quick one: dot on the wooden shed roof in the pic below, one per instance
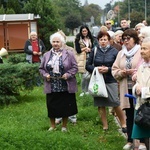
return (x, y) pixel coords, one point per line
(18, 17)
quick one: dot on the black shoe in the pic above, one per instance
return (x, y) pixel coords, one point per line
(124, 129)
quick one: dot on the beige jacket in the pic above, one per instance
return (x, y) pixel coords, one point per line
(143, 80)
(119, 65)
(81, 57)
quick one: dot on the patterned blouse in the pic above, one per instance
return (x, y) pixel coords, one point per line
(57, 83)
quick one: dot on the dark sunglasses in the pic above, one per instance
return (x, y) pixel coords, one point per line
(108, 23)
(126, 38)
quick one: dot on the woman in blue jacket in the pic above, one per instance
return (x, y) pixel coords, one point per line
(104, 59)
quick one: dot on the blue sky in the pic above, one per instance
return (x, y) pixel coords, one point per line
(101, 3)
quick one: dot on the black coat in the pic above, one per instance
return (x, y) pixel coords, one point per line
(103, 59)
(1, 60)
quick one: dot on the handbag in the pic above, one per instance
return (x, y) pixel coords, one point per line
(142, 117)
(97, 87)
(81, 61)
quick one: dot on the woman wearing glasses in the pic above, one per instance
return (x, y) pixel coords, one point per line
(58, 68)
(123, 69)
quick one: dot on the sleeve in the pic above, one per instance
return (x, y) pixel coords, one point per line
(115, 70)
(89, 63)
(26, 50)
(42, 68)
(74, 67)
(77, 46)
(43, 46)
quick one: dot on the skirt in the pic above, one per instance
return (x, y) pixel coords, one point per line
(139, 132)
(61, 104)
(112, 100)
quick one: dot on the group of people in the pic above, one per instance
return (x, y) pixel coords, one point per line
(121, 57)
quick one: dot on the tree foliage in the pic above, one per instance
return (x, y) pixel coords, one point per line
(17, 76)
(72, 21)
(91, 10)
(137, 11)
(49, 21)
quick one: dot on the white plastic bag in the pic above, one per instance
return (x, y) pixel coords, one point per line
(97, 87)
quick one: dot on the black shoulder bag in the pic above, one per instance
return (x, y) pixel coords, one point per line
(142, 117)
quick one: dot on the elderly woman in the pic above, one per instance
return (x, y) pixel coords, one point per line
(104, 59)
(122, 70)
(34, 48)
(143, 81)
(58, 68)
(118, 37)
(138, 27)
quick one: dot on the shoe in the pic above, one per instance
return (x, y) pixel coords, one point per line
(63, 129)
(82, 94)
(124, 129)
(127, 146)
(51, 129)
(86, 93)
(142, 147)
(105, 130)
(73, 119)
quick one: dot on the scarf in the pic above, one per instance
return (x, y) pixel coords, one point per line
(104, 49)
(131, 52)
(54, 62)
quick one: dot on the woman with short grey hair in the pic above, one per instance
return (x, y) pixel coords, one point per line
(58, 69)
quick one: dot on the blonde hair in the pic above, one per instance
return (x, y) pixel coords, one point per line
(103, 28)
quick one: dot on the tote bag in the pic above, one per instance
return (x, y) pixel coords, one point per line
(97, 87)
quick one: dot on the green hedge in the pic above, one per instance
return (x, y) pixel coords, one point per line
(16, 76)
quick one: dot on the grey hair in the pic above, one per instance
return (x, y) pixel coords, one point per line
(140, 25)
(145, 31)
(33, 33)
(118, 32)
(57, 35)
(146, 40)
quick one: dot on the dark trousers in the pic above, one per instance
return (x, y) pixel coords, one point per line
(130, 118)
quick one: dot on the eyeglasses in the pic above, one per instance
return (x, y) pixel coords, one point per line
(126, 38)
(108, 23)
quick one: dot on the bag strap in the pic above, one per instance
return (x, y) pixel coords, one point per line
(95, 50)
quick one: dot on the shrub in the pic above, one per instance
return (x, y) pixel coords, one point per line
(16, 75)
(70, 44)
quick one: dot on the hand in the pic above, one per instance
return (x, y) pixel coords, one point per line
(88, 50)
(48, 77)
(130, 71)
(134, 77)
(103, 69)
(138, 90)
(64, 76)
(39, 53)
(35, 53)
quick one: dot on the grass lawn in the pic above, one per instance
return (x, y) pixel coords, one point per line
(23, 126)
